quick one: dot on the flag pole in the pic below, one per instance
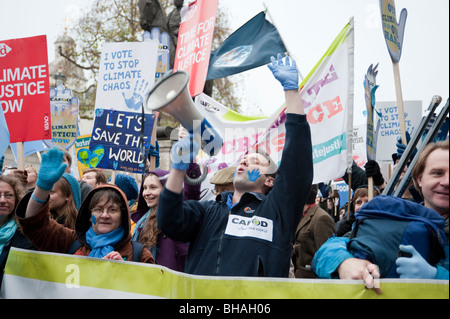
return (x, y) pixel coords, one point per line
(350, 113)
(20, 156)
(399, 95)
(288, 51)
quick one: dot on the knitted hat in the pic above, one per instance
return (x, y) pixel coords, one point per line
(128, 185)
(224, 176)
(75, 189)
(162, 175)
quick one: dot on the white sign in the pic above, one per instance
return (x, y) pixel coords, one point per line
(126, 75)
(390, 126)
(256, 226)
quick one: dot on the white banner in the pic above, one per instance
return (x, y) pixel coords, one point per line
(327, 95)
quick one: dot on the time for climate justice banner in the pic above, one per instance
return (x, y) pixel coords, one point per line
(25, 89)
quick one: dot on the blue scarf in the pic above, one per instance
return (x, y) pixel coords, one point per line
(7, 232)
(137, 231)
(102, 245)
(140, 225)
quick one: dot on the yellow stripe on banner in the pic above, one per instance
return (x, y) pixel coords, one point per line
(160, 282)
(340, 39)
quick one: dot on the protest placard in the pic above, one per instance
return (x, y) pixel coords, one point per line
(390, 126)
(116, 140)
(84, 157)
(127, 73)
(163, 64)
(393, 34)
(194, 43)
(24, 88)
(64, 111)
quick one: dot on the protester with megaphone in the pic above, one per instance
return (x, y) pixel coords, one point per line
(248, 232)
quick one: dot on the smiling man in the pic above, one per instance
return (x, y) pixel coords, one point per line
(248, 232)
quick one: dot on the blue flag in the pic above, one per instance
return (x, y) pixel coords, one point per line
(251, 46)
(4, 134)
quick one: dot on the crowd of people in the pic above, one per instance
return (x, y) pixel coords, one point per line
(264, 221)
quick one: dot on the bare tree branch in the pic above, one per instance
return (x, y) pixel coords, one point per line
(91, 68)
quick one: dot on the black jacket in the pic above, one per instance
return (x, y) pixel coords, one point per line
(255, 237)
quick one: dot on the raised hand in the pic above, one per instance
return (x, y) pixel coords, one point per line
(285, 72)
(51, 170)
(183, 152)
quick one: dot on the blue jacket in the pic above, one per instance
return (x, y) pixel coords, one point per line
(254, 237)
(335, 250)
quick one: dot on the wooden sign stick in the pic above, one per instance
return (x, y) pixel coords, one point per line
(400, 107)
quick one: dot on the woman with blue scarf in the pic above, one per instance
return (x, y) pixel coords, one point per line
(102, 228)
(11, 191)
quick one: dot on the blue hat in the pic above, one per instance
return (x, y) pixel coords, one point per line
(128, 185)
(75, 189)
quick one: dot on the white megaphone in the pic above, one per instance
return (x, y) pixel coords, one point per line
(171, 95)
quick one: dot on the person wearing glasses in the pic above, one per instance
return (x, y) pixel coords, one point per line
(102, 228)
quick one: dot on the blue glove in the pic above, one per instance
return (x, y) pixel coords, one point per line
(183, 152)
(51, 170)
(324, 189)
(414, 267)
(402, 147)
(284, 72)
(154, 151)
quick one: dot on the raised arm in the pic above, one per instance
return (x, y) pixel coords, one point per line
(183, 153)
(51, 170)
(285, 71)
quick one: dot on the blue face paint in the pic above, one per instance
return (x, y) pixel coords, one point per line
(254, 175)
(94, 220)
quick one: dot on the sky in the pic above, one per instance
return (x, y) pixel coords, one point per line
(307, 28)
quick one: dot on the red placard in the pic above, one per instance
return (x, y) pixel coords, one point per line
(24, 88)
(194, 43)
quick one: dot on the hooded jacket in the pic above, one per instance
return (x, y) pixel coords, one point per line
(47, 235)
